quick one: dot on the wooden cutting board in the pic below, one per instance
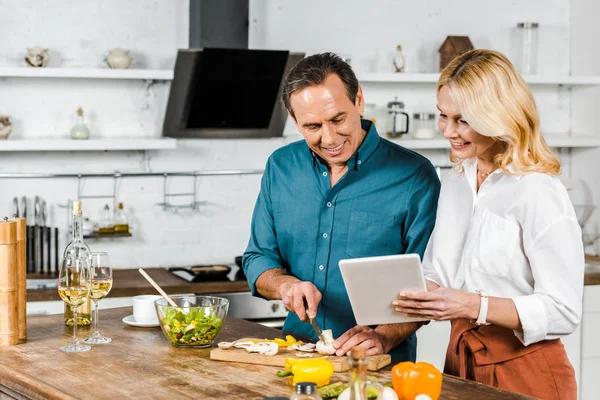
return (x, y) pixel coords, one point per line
(340, 364)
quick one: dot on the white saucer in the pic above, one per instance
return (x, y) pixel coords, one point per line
(129, 320)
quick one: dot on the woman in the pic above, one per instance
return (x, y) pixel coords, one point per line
(505, 261)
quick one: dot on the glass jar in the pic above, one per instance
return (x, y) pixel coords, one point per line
(305, 391)
(424, 126)
(527, 48)
(397, 120)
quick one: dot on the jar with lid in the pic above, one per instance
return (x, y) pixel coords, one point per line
(397, 120)
(424, 126)
(305, 391)
(527, 47)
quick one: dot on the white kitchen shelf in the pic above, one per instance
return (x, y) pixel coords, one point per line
(45, 144)
(87, 73)
(433, 78)
(554, 140)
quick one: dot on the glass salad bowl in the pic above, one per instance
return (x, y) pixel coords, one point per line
(195, 322)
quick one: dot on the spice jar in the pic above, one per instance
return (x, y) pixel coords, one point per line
(424, 126)
(397, 120)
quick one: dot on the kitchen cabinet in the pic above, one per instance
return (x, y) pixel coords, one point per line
(590, 345)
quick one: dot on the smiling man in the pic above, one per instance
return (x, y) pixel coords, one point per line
(343, 192)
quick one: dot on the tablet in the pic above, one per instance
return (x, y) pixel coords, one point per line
(373, 283)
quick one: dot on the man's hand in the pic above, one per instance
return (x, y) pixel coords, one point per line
(361, 336)
(300, 297)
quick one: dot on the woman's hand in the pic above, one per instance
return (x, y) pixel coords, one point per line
(439, 303)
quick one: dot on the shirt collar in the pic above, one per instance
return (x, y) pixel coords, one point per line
(470, 166)
(367, 147)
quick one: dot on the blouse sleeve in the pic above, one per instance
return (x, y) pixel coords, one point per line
(557, 260)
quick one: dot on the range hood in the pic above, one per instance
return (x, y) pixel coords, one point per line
(222, 89)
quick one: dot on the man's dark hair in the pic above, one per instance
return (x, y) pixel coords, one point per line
(312, 71)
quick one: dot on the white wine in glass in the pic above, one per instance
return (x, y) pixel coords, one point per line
(101, 283)
(74, 286)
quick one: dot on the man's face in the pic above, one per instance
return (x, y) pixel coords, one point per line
(328, 120)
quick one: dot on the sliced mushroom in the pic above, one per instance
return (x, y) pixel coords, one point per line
(225, 345)
(266, 348)
(304, 355)
(307, 347)
(243, 345)
(269, 349)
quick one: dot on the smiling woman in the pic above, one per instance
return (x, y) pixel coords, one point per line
(499, 122)
(505, 260)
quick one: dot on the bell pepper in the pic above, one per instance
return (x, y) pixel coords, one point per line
(288, 341)
(412, 379)
(318, 371)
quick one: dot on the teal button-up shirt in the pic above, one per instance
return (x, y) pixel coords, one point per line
(385, 204)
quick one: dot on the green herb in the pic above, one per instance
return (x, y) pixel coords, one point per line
(332, 391)
(193, 328)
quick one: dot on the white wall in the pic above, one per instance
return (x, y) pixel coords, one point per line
(80, 34)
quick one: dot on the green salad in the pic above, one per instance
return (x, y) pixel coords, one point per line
(193, 328)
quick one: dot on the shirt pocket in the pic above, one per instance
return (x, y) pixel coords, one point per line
(371, 234)
(497, 239)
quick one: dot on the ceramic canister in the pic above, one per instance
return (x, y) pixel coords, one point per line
(9, 319)
(21, 276)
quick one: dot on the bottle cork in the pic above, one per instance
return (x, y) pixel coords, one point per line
(77, 207)
(9, 318)
(357, 353)
(21, 276)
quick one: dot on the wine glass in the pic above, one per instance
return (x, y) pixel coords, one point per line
(101, 278)
(74, 288)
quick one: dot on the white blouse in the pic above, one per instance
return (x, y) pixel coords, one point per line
(516, 238)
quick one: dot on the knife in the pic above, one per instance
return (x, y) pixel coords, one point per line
(16, 208)
(317, 329)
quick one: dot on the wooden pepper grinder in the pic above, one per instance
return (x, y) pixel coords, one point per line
(9, 315)
(22, 276)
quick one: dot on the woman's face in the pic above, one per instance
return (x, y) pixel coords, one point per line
(464, 140)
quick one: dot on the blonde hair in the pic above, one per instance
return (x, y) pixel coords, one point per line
(495, 101)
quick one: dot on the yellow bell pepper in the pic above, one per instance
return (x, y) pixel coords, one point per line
(288, 341)
(318, 371)
(412, 379)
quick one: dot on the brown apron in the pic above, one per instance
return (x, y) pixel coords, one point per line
(493, 355)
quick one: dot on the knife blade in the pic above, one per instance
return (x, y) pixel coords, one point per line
(15, 210)
(317, 329)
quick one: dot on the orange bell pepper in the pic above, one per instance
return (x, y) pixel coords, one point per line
(410, 380)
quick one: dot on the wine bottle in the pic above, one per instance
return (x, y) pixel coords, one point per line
(78, 249)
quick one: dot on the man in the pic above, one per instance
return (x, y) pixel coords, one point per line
(343, 192)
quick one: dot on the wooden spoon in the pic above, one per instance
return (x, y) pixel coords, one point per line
(158, 288)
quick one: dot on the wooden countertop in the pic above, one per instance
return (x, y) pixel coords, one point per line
(129, 282)
(141, 364)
